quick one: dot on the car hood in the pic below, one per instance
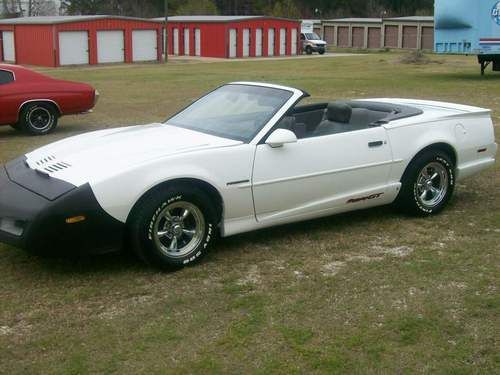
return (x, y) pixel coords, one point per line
(88, 157)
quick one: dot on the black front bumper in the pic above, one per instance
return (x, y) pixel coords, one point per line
(34, 210)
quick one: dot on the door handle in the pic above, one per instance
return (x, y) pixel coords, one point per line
(375, 144)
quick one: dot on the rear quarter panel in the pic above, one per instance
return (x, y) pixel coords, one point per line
(466, 134)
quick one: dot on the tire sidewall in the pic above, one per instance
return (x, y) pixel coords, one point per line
(409, 192)
(28, 111)
(148, 215)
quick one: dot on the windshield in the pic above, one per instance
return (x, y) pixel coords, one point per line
(233, 111)
(312, 36)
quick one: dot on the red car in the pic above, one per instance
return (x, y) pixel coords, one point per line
(32, 102)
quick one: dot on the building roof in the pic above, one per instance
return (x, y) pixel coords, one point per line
(50, 20)
(356, 20)
(411, 19)
(216, 18)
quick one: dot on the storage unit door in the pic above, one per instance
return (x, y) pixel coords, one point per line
(187, 52)
(330, 34)
(232, 42)
(374, 35)
(176, 41)
(9, 49)
(343, 36)
(282, 42)
(110, 47)
(391, 36)
(144, 45)
(427, 38)
(246, 42)
(358, 37)
(258, 42)
(73, 48)
(197, 42)
(294, 41)
(270, 42)
(410, 37)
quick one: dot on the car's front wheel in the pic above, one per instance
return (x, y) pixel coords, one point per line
(173, 227)
(309, 50)
(427, 184)
(38, 118)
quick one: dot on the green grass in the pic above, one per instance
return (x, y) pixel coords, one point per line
(326, 296)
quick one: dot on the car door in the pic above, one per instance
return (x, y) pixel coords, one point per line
(9, 102)
(322, 174)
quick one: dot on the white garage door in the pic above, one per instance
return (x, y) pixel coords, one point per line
(9, 50)
(246, 42)
(110, 46)
(176, 42)
(232, 42)
(187, 52)
(294, 41)
(144, 45)
(197, 42)
(258, 42)
(270, 42)
(73, 48)
(282, 42)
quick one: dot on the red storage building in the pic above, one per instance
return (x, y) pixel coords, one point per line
(78, 40)
(233, 36)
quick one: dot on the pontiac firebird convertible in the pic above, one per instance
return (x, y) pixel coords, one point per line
(243, 157)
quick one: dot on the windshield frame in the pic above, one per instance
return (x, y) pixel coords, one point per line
(274, 117)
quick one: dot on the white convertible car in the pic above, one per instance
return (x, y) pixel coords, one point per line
(244, 157)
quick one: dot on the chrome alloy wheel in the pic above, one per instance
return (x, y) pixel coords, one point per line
(432, 184)
(40, 118)
(179, 229)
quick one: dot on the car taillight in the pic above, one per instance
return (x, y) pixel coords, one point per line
(96, 97)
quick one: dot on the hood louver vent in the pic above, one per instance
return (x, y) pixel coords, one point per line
(49, 164)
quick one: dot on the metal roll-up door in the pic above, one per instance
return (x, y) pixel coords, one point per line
(427, 38)
(110, 46)
(9, 49)
(176, 41)
(144, 45)
(343, 36)
(391, 36)
(246, 42)
(282, 42)
(270, 42)
(187, 45)
(358, 37)
(258, 42)
(73, 47)
(410, 37)
(330, 34)
(233, 42)
(294, 42)
(197, 42)
(374, 37)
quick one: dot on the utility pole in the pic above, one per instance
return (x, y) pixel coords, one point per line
(30, 7)
(166, 33)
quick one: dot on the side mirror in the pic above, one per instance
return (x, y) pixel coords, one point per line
(280, 137)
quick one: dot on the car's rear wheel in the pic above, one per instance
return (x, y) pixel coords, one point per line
(38, 118)
(427, 184)
(309, 50)
(173, 227)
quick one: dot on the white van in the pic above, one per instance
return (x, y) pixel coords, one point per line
(311, 42)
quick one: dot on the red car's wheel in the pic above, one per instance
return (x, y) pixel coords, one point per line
(38, 118)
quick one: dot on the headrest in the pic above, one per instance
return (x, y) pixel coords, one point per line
(287, 122)
(339, 112)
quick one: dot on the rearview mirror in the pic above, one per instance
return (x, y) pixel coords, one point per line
(280, 137)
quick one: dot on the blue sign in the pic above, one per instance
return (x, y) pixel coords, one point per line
(495, 13)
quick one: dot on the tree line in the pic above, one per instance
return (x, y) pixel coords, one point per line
(279, 8)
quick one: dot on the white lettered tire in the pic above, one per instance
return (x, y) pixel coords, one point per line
(427, 184)
(174, 226)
